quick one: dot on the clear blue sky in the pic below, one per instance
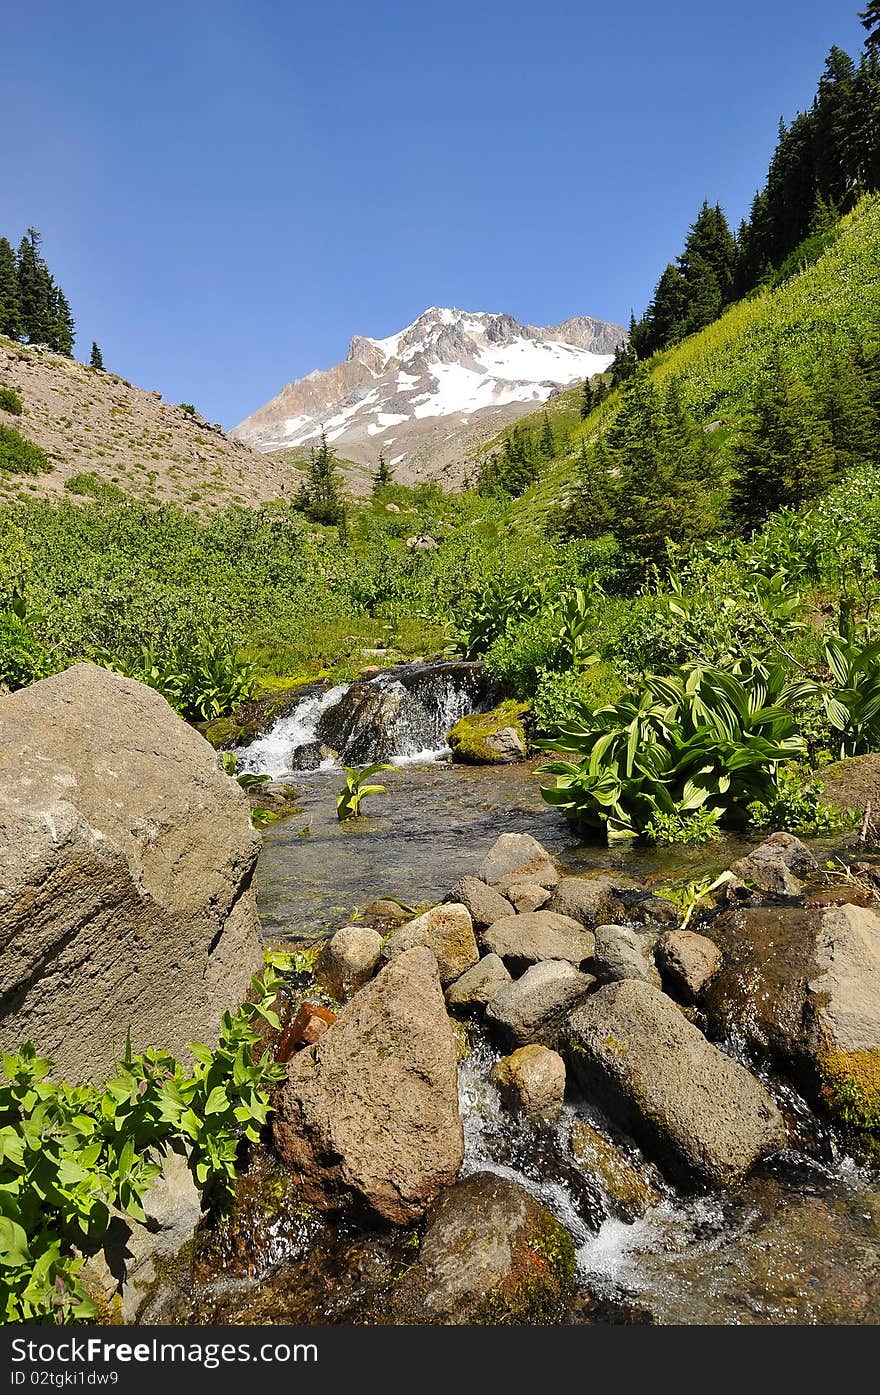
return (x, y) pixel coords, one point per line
(228, 192)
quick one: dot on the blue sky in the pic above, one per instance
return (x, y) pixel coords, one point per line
(228, 192)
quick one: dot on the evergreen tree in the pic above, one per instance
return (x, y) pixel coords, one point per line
(97, 358)
(10, 300)
(842, 392)
(625, 363)
(590, 512)
(786, 452)
(547, 445)
(587, 400)
(870, 18)
(648, 502)
(667, 309)
(383, 474)
(35, 290)
(61, 322)
(319, 494)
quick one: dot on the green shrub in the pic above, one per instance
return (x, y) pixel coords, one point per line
(70, 1153)
(797, 807)
(20, 457)
(700, 827)
(10, 401)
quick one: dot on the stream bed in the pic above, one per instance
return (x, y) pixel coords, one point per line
(799, 1242)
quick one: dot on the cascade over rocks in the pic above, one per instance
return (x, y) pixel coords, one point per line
(368, 1117)
(704, 1117)
(126, 865)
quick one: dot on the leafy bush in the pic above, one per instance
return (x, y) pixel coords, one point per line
(20, 457)
(700, 827)
(797, 807)
(853, 707)
(69, 1153)
(10, 401)
(201, 678)
(705, 739)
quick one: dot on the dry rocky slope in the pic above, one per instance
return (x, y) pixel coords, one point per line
(89, 421)
(429, 395)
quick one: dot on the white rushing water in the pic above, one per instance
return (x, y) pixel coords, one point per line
(270, 754)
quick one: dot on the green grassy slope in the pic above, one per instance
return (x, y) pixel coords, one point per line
(827, 303)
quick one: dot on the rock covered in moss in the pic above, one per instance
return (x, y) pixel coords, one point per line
(490, 738)
(631, 1190)
(368, 1117)
(532, 1081)
(491, 1254)
(447, 931)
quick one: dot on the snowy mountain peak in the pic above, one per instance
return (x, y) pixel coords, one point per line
(426, 394)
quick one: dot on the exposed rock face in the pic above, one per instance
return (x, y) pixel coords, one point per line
(447, 931)
(517, 857)
(532, 1080)
(369, 1116)
(348, 960)
(492, 1254)
(448, 381)
(526, 939)
(126, 859)
(533, 1007)
(630, 1190)
(778, 866)
(479, 985)
(703, 1115)
(688, 961)
(484, 904)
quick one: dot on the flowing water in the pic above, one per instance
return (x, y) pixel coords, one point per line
(798, 1243)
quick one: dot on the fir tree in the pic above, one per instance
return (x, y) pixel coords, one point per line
(587, 400)
(96, 358)
(10, 300)
(590, 513)
(383, 474)
(61, 322)
(547, 445)
(870, 18)
(319, 494)
(34, 289)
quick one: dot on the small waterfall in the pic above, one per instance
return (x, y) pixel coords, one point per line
(402, 717)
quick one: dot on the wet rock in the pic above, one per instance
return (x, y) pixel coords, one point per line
(517, 857)
(121, 1274)
(447, 931)
(491, 1254)
(369, 1116)
(383, 909)
(702, 1115)
(688, 962)
(309, 1024)
(478, 985)
(311, 755)
(621, 953)
(532, 1008)
(531, 1080)
(526, 896)
(778, 866)
(126, 875)
(631, 1191)
(526, 939)
(484, 904)
(348, 960)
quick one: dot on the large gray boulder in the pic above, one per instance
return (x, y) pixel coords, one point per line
(705, 1117)
(491, 1254)
(368, 1117)
(533, 1007)
(126, 875)
(529, 938)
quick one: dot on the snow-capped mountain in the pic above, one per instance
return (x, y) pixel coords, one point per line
(430, 393)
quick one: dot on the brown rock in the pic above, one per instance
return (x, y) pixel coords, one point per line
(369, 1116)
(527, 896)
(446, 930)
(348, 960)
(479, 985)
(688, 961)
(533, 1007)
(526, 939)
(631, 1191)
(777, 866)
(532, 1080)
(484, 904)
(310, 1022)
(517, 857)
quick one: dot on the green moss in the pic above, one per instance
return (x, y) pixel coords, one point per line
(851, 1092)
(541, 1282)
(469, 738)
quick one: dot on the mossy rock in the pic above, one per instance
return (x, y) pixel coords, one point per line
(851, 1092)
(254, 718)
(491, 1255)
(491, 738)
